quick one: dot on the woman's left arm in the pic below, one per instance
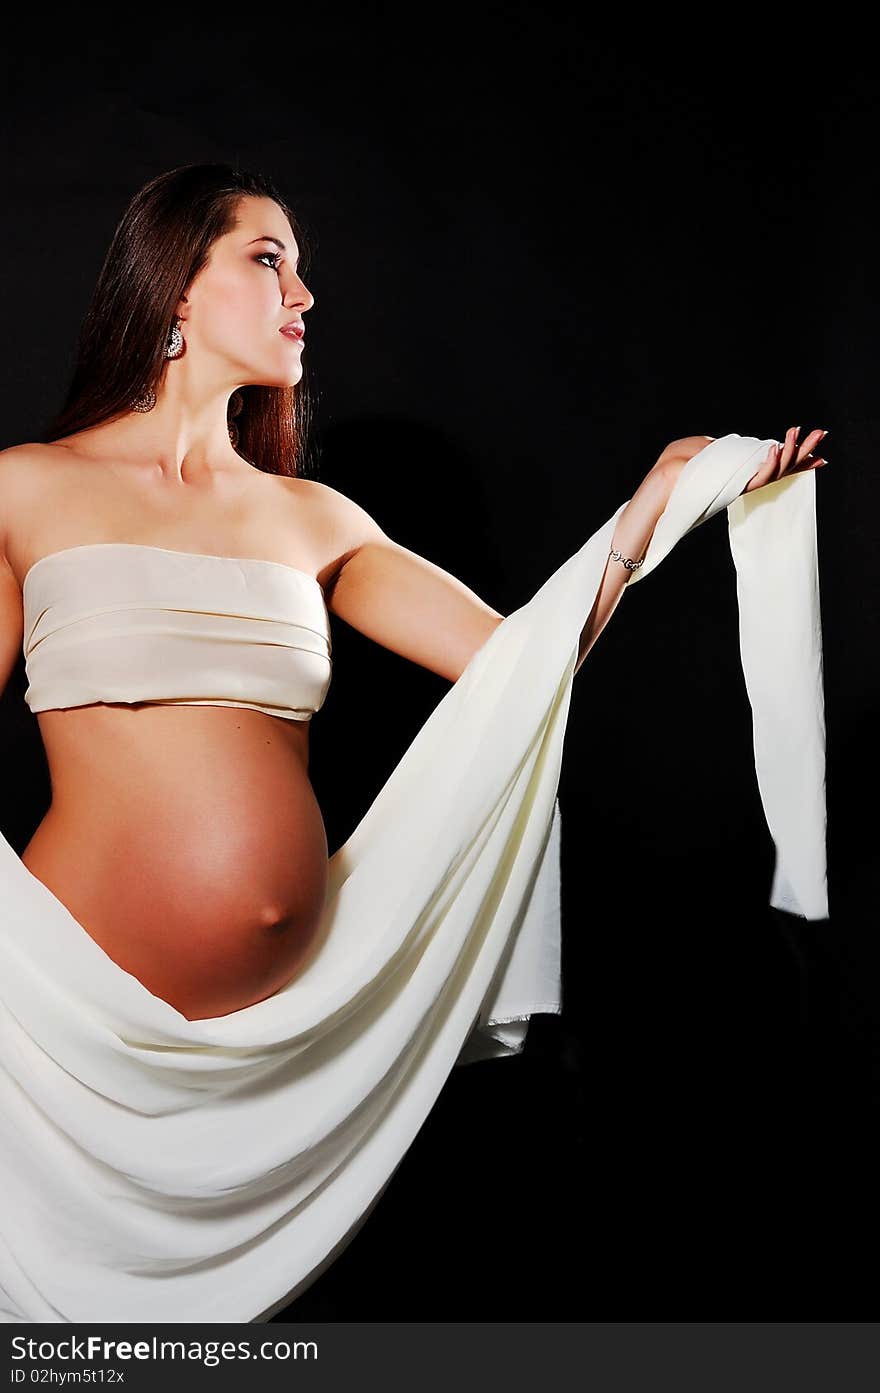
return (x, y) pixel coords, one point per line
(393, 595)
(635, 526)
(634, 530)
(413, 607)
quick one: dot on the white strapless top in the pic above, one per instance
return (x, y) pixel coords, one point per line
(127, 622)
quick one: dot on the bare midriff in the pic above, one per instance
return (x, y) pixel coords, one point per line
(188, 843)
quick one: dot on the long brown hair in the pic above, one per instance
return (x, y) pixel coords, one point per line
(160, 244)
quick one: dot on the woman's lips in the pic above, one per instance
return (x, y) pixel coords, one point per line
(297, 337)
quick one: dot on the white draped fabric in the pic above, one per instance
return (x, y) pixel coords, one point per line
(160, 1169)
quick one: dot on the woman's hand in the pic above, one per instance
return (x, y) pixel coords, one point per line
(788, 458)
(779, 462)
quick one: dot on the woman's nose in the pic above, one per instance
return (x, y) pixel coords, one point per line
(299, 294)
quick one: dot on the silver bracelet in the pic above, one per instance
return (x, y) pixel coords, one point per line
(626, 560)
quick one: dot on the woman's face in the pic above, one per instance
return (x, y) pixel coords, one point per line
(236, 306)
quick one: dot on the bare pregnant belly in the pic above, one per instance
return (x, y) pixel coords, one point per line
(189, 844)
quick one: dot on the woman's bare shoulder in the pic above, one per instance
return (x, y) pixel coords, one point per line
(29, 450)
(22, 461)
(19, 467)
(349, 524)
(338, 526)
(23, 479)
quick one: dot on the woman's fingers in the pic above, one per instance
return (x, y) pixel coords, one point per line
(788, 457)
(789, 448)
(795, 457)
(804, 458)
(766, 473)
(811, 462)
(810, 443)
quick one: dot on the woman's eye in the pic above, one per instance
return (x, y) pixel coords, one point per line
(273, 259)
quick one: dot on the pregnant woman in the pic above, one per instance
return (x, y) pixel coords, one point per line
(218, 1041)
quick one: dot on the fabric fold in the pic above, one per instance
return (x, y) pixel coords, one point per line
(159, 1169)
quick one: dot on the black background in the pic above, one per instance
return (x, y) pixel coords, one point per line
(539, 254)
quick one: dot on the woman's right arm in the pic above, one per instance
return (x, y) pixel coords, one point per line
(11, 616)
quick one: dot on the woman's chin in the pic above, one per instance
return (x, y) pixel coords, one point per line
(292, 374)
(288, 378)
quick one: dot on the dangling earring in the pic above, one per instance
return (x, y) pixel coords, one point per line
(146, 402)
(173, 349)
(175, 342)
(236, 402)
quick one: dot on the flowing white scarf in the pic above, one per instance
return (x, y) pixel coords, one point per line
(160, 1169)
